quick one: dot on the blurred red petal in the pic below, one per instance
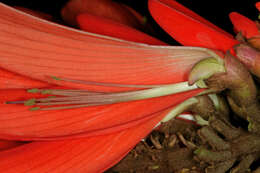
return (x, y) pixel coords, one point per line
(102, 8)
(103, 26)
(187, 27)
(244, 25)
(258, 6)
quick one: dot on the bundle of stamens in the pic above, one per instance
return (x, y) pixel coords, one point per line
(67, 99)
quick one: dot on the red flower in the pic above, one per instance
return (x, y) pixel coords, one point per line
(39, 54)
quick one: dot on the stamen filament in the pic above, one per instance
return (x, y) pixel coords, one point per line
(180, 108)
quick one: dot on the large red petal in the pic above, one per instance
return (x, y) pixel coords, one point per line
(187, 27)
(95, 154)
(244, 25)
(40, 49)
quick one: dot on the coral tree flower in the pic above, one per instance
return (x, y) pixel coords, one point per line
(66, 53)
(39, 54)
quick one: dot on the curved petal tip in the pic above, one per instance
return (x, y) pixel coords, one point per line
(243, 24)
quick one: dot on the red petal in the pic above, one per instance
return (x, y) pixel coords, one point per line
(95, 154)
(103, 26)
(17, 122)
(243, 24)
(40, 49)
(187, 27)
(257, 5)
